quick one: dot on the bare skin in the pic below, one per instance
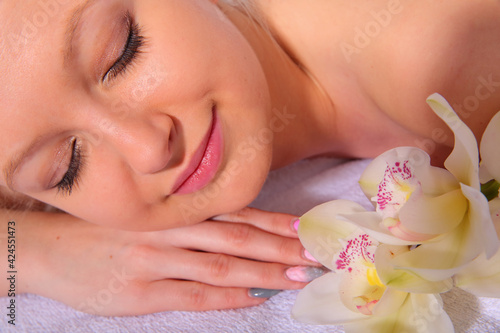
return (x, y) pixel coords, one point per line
(356, 89)
(380, 60)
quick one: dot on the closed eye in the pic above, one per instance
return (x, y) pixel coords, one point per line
(72, 175)
(132, 48)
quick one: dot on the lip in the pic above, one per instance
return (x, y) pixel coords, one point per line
(205, 162)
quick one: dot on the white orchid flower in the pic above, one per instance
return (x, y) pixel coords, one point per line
(490, 154)
(431, 227)
(441, 210)
(355, 294)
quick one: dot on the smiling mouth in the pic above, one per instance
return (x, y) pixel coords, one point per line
(205, 162)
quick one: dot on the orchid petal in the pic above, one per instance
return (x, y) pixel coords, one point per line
(483, 229)
(371, 222)
(319, 303)
(481, 277)
(484, 174)
(390, 302)
(435, 181)
(401, 279)
(401, 232)
(419, 313)
(433, 215)
(320, 230)
(439, 260)
(463, 161)
(494, 206)
(427, 314)
(490, 154)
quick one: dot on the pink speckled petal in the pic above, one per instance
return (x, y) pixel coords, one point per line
(320, 229)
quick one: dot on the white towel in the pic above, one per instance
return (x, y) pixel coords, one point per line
(294, 189)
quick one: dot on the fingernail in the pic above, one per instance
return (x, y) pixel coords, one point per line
(309, 256)
(295, 224)
(263, 293)
(304, 273)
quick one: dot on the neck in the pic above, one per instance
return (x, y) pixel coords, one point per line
(302, 116)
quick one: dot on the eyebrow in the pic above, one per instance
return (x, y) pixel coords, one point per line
(72, 25)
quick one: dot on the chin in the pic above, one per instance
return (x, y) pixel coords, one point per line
(245, 194)
(230, 196)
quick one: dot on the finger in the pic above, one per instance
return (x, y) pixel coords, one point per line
(173, 295)
(276, 223)
(168, 295)
(241, 240)
(229, 271)
(224, 270)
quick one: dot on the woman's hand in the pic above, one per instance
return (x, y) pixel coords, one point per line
(210, 265)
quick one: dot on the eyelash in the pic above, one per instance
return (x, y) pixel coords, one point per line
(72, 176)
(133, 46)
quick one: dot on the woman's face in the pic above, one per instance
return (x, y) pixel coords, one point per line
(136, 114)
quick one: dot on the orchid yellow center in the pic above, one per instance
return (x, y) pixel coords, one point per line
(365, 303)
(372, 277)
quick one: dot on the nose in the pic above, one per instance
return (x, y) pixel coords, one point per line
(144, 143)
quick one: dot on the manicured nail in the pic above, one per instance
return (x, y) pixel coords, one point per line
(309, 256)
(263, 293)
(295, 224)
(304, 273)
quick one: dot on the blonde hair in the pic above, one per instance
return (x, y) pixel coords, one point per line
(249, 8)
(10, 200)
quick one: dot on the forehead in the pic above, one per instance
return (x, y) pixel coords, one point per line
(23, 23)
(34, 36)
(28, 29)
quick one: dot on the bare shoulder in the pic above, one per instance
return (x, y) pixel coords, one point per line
(448, 46)
(380, 59)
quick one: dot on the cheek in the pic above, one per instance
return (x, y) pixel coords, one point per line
(107, 195)
(194, 49)
(115, 209)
